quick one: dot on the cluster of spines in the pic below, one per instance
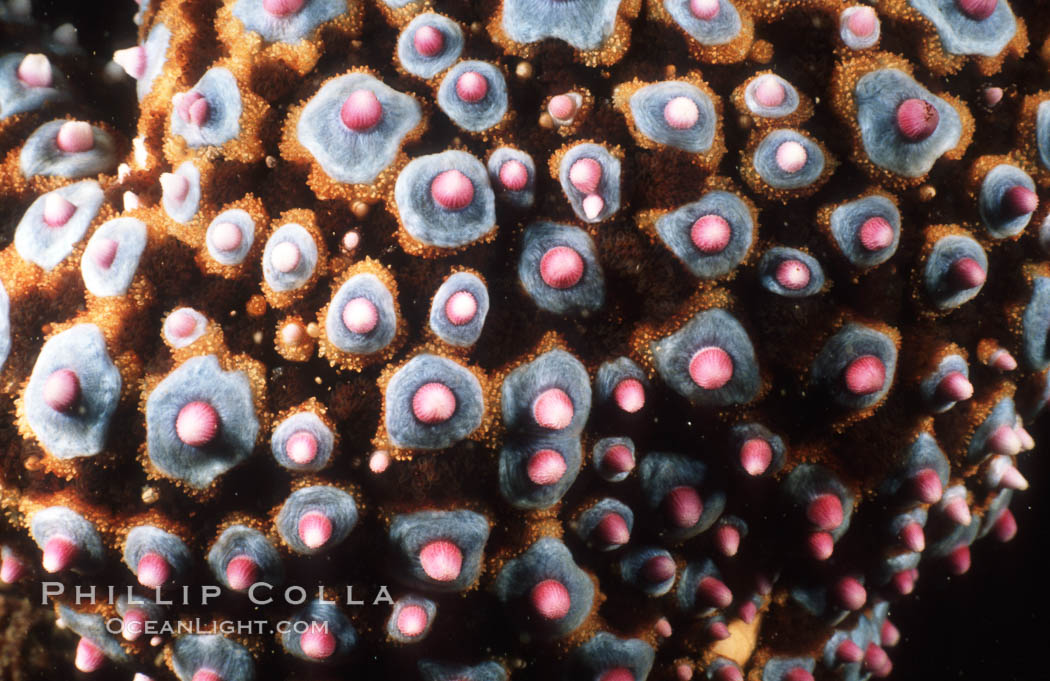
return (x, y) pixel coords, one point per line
(709, 365)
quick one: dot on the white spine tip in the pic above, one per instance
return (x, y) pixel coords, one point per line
(174, 186)
(132, 60)
(35, 71)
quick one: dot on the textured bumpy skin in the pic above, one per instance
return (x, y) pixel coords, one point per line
(595, 340)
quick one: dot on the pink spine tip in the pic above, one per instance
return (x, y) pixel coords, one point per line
(513, 175)
(755, 456)
(978, 10)
(153, 570)
(705, 10)
(317, 643)
(966, 273)
(618, 459)
(285, 257)
(428, 41)
(59, 553)
(958, 510)
(663, 628)
(612, 530)
(792, 274)
(718, 631)
(452, 190)
(1019, 200)
(825, 512)
(553, 409)
(198, 112)
(1002, 360)
(561, 267)
(714, 592)
(133, 624)
(550, 599)
(361, 111)
(104, 251)
(441, 560)
(181, 324)
(89, 657)
(1012, 479)
(1027, 442)
(197, 424)
(797, 674)
(728, 672)
(658, 569)
(891, 636)
(876, 661)
(12, 569)
(546, 467)
(282, 8)
(849, 652)
(917, 119)
(57, 210)
(959, 560)
(955, 387)
(412, 620)
(562, 107)
(710, 234)
(821, 545)
(461, 307)
(241, 573)
(683, 506)
(182, 102)
(992, 96)
(35, 71)
(62, 390)
(593, 205)
(585, 175)
(927, 487)
(132, 60)
(433, 403)
(862, 21)
(226, 236)
(75, 137)
(912, 537)
(711, 367)
(472, 87)
(205, 674)
(747, 611)
(301, 447)
(1005, 527)
(770, 92)
(1004, 441)
(865, 375)
(850, 593)
(791, 156)
(629, 395)
(315, 529)
(617, 674)
(360, 315)
(875, 234)
(174, 187)
(681, 113)
(904, 582)
(727, 538)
